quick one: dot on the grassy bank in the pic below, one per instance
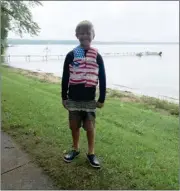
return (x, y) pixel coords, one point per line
(136, 141)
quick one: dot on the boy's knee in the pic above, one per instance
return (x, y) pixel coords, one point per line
(74, 128)
(74, 125)
(89, 125)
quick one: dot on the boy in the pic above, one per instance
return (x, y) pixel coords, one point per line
(83, 68)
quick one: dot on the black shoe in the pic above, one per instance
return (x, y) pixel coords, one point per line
(93, 161)
(71, 155)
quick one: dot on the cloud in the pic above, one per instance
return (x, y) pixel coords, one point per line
(113, 20)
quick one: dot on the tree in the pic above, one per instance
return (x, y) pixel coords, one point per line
(16, 16)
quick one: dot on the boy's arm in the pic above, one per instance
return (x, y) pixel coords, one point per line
(65, 76)
(102, 79)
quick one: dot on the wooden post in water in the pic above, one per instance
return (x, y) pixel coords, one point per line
(29, 58)
(9, 58)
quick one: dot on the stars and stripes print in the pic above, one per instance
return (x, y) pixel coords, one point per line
(84, 69)
(79, 52)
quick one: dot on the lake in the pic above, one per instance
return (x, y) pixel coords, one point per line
(148, 75)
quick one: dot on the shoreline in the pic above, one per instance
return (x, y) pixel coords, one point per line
(160, 105)
(51, 77)
(116, 87)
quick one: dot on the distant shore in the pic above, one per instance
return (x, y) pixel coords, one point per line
(74, 42)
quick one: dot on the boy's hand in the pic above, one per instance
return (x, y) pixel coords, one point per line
(99, 105)
(64, 102)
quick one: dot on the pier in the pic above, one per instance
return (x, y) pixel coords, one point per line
(45, 58)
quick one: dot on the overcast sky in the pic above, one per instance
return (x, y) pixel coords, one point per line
(113, 20)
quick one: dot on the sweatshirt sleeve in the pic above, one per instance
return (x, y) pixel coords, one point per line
(65, 75)
(102, 79)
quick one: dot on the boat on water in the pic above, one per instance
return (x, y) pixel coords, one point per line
(149, 54)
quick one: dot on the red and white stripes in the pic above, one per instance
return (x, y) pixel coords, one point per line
(87, 70)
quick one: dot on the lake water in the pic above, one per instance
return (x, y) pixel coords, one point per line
(148, 75)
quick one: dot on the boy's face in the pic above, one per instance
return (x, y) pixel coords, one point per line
(85, 36)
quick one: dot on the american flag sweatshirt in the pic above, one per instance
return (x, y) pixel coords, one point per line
(75, 87)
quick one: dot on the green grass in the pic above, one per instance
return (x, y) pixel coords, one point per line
(138, 147)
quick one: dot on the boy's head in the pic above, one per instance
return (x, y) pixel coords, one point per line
(85, 33)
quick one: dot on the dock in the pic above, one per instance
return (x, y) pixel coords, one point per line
(48, 57)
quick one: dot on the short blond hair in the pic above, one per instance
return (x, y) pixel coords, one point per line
(85, 23)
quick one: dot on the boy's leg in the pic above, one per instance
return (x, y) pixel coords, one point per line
(89, 126)
(90, 131)
(75, 130)
(74, 124)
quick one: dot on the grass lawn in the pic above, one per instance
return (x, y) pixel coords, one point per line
(138, 146)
